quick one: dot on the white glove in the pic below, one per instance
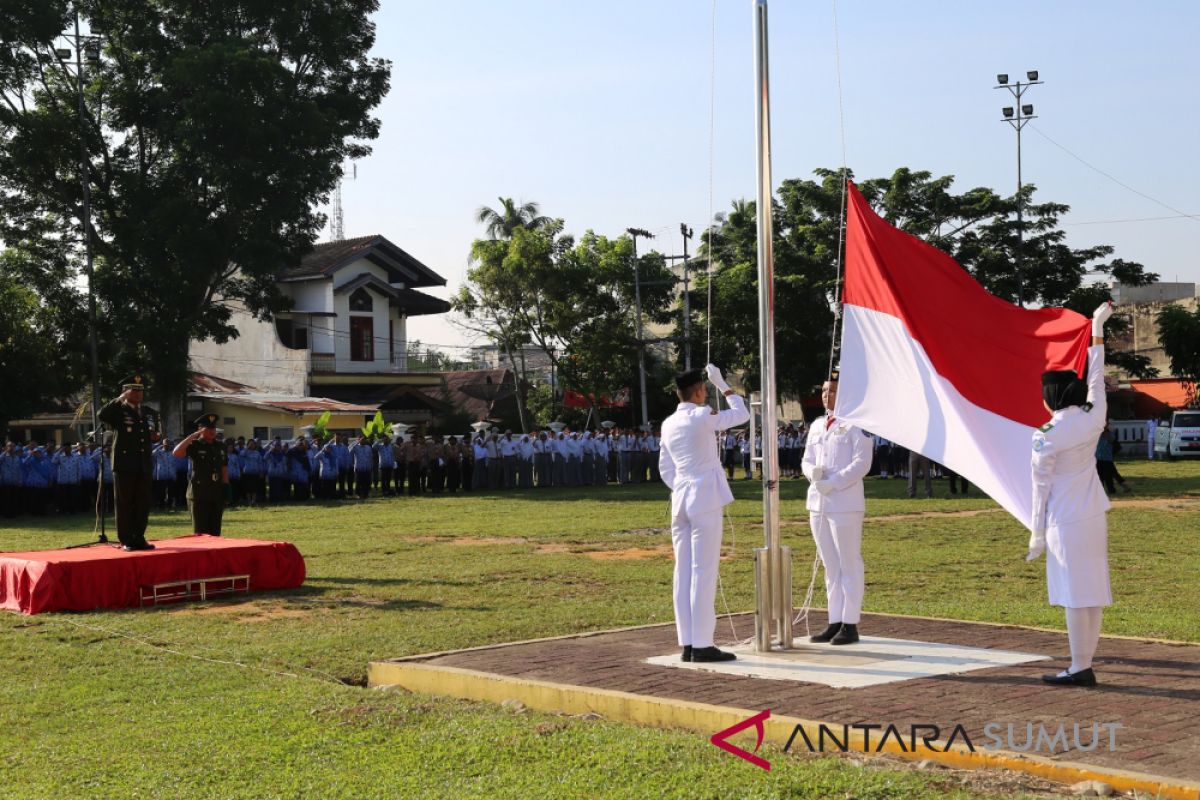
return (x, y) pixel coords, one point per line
(823, 487)
(1099, 317)
(714, 377)
(1037, 545)
(818, 474)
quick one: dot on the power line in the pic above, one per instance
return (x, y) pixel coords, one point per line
(1118, 181)
(1131, 219)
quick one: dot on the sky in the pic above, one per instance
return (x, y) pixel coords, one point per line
(600, 113)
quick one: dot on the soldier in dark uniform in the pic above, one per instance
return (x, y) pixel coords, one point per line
(210, 474)
(136, 430)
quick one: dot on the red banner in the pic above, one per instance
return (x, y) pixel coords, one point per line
(574, 399)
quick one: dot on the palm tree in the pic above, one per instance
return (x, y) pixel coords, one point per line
(501, 224)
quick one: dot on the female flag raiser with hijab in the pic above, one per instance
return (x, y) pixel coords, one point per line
(932, 361)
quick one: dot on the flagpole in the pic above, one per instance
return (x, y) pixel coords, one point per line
(772, 563)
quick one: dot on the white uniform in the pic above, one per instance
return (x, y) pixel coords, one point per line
(1151, 432)
(842, 454)
(690, 465)
(1068, 501)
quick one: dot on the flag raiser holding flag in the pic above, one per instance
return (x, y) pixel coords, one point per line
(932, 361)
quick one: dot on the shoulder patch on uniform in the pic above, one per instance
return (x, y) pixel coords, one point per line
(1087, 406)
(1046, 427)
(1038, 444)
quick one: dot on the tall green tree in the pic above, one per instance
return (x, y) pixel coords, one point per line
(501, 223)
(977, 228)
(28, 348)
(1179, 334)
(573, 300)
(213, 132)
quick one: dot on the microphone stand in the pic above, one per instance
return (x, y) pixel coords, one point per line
(99, 506)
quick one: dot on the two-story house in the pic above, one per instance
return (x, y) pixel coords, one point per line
(345, 335)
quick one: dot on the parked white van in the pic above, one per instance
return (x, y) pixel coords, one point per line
(1182, 438)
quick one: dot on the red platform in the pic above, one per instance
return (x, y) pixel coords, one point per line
(102, 576)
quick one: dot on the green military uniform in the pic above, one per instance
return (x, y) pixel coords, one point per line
(135, 431)
(206, 489)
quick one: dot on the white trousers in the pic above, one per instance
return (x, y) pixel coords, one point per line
(697, 542)
(839, 542)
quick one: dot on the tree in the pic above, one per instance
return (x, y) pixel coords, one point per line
(977, 228)
(213, 132)
(28, 346)
(501, 224)
(1179, 334)
(572, 300)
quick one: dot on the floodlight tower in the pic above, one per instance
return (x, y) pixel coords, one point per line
(1018, 116)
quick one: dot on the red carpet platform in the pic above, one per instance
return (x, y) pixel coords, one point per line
(102, 576)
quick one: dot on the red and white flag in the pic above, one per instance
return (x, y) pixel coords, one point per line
(933, 362)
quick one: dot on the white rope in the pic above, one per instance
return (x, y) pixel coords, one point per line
(806, 607)
(712, 126)
(837, 286)
(325, 676)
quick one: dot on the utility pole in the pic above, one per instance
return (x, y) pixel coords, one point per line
(687, 300)
(637, 294)
(1018, 117)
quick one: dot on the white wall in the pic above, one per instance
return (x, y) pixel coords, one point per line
(256, 357)
(381, 312)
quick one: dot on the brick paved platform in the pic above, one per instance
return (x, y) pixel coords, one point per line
(1152, 689)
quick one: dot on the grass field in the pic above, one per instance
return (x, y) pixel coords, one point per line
(189, 701)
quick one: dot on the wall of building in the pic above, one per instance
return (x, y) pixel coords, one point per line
(256, 358)
(246, 419)
(1143, 336)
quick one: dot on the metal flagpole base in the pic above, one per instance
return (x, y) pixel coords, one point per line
(783, 603)
(772, 599)
(762, 600)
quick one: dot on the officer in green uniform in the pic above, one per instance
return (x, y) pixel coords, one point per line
(210, 475)
(135, 430)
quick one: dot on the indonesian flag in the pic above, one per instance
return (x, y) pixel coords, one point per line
(933, 362)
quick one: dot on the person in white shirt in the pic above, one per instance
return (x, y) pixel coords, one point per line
(525, 462)
(560, 459)
(541, 460)
(1151, 432)
(836, 459)
(574, 450)
(479, 476)
(600, 476)
(653, 443)
(588, 453)
(1069, 505)
(744, 445)
(730, 453)
(508, 456)
(495, 465)
(690, 465)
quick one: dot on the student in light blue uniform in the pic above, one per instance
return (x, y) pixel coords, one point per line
(387, 465)
(66, 480)
(11, 480)
(37, 476)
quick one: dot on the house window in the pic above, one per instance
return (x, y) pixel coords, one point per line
(262, 433)
(300, 339)
(283, 433)
(228, 421)
(362, 339)
(360, 300)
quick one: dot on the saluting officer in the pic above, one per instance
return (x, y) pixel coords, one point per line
(210, 474)
(836, 459)
(135, 430)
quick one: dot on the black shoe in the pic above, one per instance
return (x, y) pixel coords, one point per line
(827, 634)
(847, 635)
(687, 653)
(1085, 677)
(711, 654)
